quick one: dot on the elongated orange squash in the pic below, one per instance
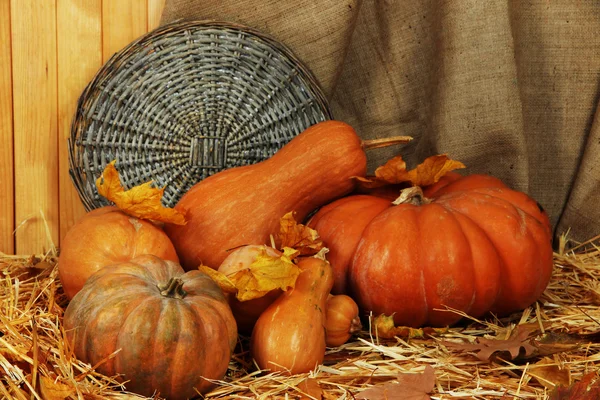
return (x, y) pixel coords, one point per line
(243, 205)
(290, 335)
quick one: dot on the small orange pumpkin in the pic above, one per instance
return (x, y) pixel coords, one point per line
(342, 319)
(103, 237)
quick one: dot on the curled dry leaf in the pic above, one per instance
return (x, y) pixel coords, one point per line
(383, 326)
(588, 388)
(526, 341)
(408, 386)
(265, 274)
(297, 236)
(143, 201)
(394, 172)
(549, 374)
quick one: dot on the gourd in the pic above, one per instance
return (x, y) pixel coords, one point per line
(246, 313)
(289, 335)
(467, 243)
(173, 329)
(107, 236)
(243, 205)
(342, 319)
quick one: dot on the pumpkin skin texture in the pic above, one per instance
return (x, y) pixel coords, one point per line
(243, 205)
(289, 336)
(476, 247)
(103, 237)
(168, 340)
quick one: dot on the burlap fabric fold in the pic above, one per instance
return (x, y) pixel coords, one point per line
(510, 88)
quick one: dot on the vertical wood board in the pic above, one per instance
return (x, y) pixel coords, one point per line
(122, 23)
(79, 48)
(7, 191)
(33, 38)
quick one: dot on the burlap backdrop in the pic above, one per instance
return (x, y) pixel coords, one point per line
(508, 87)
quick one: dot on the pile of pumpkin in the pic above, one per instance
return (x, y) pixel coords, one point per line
(157, 303)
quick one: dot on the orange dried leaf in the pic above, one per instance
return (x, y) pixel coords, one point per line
(143, 201)
(394, 172)
(588, 388)
(432, 169)
(51, 389)
(407, 387)
(549, 374)
(299, 237)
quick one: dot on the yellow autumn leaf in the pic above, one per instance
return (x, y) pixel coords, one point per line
(220, 279)
(51, 389)
(143, 201)
(299, 237)
(266, 273)
(383, 325)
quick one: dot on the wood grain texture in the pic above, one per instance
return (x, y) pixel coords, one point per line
(122, 22)
(155, 8)
(79, 49)
(7, 190)
(33, 35)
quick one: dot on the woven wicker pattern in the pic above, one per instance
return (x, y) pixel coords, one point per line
(188, 100)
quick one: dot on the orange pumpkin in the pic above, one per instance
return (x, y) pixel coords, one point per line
(174, 329)
(342, 319)
(468, 243)
(103, 237)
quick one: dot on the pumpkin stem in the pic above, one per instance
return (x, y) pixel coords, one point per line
(355, 325)
(385, 142)
(173, 288)
(412, 195)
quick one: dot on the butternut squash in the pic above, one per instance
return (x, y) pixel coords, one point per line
(243, 205)
(289, 336)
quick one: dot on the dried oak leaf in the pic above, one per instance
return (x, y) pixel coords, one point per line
(266, 273)
(143, 201)
(519, 341)
(297, 236)
(427, 173)
(407, 387)
(384, 326)
(588, 388)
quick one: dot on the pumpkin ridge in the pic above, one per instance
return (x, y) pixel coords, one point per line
(502, 265)
(507, 270)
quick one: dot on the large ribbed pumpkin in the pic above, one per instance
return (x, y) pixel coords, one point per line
(467, 243)
(173, 330)
(107, 236)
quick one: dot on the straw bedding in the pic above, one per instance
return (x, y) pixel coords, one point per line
(36, 363)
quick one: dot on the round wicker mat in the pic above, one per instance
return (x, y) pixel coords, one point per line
(185, 101)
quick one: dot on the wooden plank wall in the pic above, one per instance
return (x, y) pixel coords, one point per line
(49, 51)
